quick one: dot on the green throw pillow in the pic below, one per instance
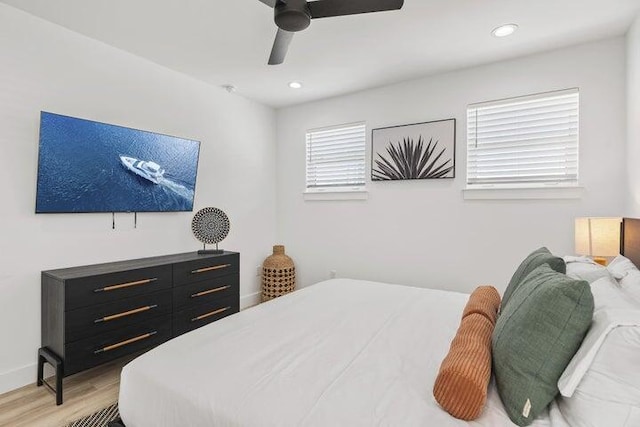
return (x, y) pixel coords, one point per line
(535, 338)
(530, 263)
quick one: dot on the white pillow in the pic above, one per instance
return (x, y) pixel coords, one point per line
(601, 384)
(605, 322)
(608, 392)
(629, 279)
(584, 268)
(631, 285)
(620, 266)
(607, 294)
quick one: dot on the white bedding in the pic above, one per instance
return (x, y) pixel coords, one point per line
(339, 353)
(604, 322)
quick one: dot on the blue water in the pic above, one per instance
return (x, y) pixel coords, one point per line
(80, 169)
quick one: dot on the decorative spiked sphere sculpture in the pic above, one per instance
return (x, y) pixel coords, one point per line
(210, 226)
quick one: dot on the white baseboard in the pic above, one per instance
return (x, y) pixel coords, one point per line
(27, 374)
(250, 300)
(18, 378)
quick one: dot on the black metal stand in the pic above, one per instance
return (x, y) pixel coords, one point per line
(46, 355)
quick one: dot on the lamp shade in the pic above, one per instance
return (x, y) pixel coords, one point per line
(599, 237)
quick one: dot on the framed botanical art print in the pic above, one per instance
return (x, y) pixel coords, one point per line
(417, 151)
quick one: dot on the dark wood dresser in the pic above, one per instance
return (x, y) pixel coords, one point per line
(97, 313)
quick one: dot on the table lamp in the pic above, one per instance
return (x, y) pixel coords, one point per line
(598, 238)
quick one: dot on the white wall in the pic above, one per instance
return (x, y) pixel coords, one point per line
(422, 232)
(633, 117)
(45, 67)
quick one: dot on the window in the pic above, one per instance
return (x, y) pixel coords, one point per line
(336, 158)
(530, 141)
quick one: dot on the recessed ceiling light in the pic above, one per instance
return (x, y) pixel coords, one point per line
(504, 30)
(295, 85)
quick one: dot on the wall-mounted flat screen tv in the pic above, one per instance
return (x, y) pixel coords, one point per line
(87, 166)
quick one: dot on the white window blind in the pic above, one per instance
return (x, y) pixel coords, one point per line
(527, 140)
(336, 157)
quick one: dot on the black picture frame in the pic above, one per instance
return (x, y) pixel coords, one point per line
(425, 150)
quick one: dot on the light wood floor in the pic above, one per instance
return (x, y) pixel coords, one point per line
(84, 394)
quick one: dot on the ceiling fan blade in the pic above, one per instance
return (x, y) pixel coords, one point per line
(271, 3)
(328, 8)
(280, 47)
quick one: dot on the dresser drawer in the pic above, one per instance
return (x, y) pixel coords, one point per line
(102, 348)
(105, 288)
(205, 292)
(89, 321)
(205, 269)
(193, 318)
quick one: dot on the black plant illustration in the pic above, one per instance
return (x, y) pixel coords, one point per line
(411, 161)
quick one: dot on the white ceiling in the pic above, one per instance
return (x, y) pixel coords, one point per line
(228, 41)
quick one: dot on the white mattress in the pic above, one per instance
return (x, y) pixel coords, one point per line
(339, 353)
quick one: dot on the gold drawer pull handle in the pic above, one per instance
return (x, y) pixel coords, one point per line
(126, 342)
(215, 267)
(213, 313)
(125, 285)
(125, 314)
(210, 291)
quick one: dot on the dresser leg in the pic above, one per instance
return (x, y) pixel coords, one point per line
(46, 355)
(59, 375)
(41, 361)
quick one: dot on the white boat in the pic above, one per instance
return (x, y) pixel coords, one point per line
(146, 169)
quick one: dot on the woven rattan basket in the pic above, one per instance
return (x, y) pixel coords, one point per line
(278, 274)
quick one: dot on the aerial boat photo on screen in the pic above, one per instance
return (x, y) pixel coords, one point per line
(88, 166)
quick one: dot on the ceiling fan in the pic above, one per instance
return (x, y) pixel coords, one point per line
(292, 16)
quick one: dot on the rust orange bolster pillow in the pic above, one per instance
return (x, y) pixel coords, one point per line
(463, 379)
(485, 300)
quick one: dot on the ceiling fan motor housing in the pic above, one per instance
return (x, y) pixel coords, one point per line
(292, 15)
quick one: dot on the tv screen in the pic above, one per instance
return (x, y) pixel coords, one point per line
(87, 166)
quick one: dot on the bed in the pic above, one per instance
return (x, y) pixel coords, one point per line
(339, 353)
(277, 364)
